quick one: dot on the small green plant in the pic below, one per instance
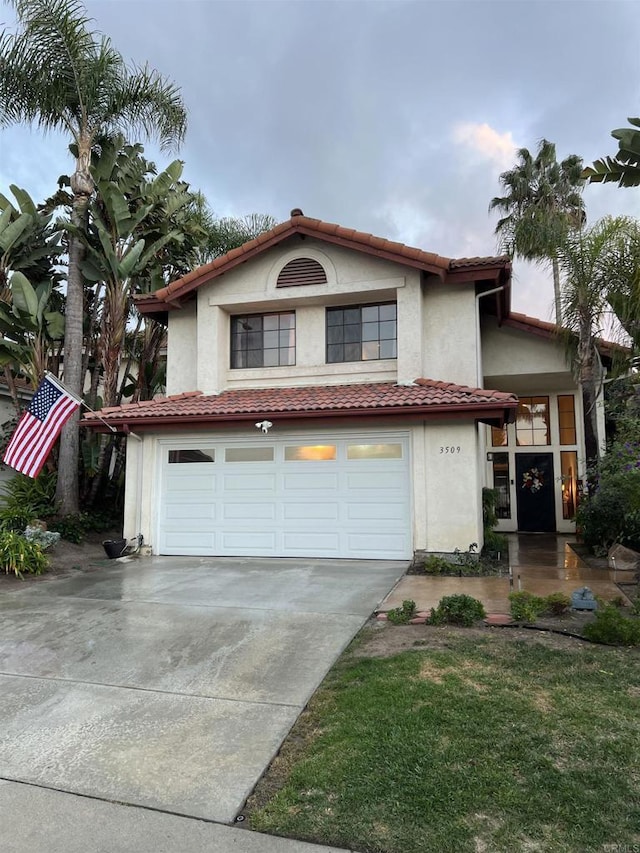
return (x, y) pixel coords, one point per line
(402, 615)
(495, 542)
(613, 628)
(435, 565)
(458, 610)
(468, 559)
(557, 604)
(525, 606)
(20, 556)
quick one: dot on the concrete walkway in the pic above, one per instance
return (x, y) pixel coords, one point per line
(540, 563)
(166, 684)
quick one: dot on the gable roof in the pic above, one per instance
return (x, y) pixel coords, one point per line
(425, 398)
(459, 269)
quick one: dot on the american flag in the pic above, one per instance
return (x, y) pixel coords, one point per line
(39, 427)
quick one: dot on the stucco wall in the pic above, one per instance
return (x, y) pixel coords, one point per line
(182, 353)
(449, 333)
(453, 488)
(509, 352)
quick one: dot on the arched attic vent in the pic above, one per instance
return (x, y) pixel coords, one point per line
(301, 271)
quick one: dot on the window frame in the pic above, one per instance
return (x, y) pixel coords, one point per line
(236, 354)
(363, 334)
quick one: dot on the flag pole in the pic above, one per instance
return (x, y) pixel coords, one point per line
(55, 381)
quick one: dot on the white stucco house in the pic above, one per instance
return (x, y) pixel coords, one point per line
(334, 394)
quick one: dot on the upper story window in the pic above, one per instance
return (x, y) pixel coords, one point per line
(263, 340)
(362, 332)
(301, 271)
(532, 421)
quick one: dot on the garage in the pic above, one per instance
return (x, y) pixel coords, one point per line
(347, 497)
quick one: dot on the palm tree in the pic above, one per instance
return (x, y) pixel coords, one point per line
(57, 73)
(594, 262)
(543, 201)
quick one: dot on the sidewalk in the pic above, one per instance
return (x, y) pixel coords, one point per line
(540, 564)
(40, 820)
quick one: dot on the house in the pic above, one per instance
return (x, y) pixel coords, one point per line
(334, 394)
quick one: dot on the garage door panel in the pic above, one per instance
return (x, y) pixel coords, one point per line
(312, 542)
(248, 482)
(388, 481)
(310, 481)
(245, 510)
(343, 507)
(313, 509)
(370, 511)
(249, 541)
(191, 510)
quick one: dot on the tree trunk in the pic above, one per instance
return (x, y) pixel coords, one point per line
(556, 290)
(589, 396)
(67, 487)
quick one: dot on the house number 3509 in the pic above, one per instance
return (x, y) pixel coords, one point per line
(450, 449)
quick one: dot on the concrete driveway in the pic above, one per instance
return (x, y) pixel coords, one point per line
(170, 682)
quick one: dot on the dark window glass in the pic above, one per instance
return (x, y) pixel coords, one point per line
(362, 333)
(567, 418)
(263, 340)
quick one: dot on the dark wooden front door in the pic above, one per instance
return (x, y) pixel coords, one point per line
(535, 492)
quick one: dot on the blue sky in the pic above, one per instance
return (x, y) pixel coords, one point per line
(394, 117)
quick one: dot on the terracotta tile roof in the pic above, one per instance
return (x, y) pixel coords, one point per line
(330, 232)
(424, 397)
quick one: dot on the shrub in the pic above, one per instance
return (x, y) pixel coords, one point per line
(525, 606)
(72, 527)
(557, 604)
(402, 615)
(495, 542)
(25, 499)
(44, 538)
(20, 556)
(457, 610)
(435, 565)
(613, 628)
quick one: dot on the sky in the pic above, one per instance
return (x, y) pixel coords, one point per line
(394, 117)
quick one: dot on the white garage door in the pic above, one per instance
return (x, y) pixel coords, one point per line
(287, 498)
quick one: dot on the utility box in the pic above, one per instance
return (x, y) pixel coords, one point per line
(583, 599)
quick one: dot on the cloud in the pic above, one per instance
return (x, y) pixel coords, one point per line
(499, 148)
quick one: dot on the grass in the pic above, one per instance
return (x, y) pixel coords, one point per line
(489, 745)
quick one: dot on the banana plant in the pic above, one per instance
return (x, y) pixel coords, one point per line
(30, 319)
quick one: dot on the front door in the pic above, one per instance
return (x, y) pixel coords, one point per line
(535, 492)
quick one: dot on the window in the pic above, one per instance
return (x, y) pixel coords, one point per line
(263, 340)
(532, 421)
(499, 436)
(501, 483)
(374, 451)
(182, 456)
(362, 333)
(309, 452)
(263, 453)
(567, 418)
(569, 472)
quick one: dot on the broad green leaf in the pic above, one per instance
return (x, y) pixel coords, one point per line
(10, 235)
(55, 325)
(24, 296)
(24, 200)
(129, 261)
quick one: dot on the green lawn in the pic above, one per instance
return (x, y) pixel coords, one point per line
(486, 743)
